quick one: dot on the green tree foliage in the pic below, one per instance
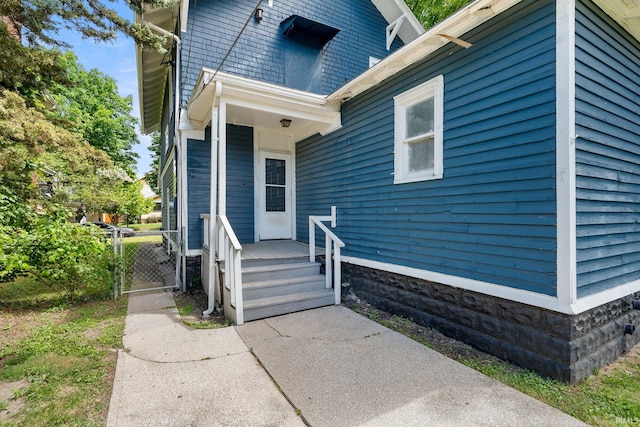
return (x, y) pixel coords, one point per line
(33, 67)
(31, 146)
(91, 106)
(152, 177)
(127, 200)
(432, 12)
(36, 240)
(28, 70)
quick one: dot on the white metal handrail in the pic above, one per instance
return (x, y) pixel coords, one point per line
(229, 250)
(332, 244)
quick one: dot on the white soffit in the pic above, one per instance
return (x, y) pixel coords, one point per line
(152, 73)
(625, 12)
(410, 28)
(450, 29)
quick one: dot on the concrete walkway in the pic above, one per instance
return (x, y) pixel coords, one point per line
(335, 367)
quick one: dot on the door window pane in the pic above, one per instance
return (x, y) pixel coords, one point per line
(275, 180)
(275, 172)
(275, 199)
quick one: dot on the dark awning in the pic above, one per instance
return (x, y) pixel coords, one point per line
(302, 26)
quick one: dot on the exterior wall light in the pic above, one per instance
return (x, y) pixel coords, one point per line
(285, 123)
(259, 14)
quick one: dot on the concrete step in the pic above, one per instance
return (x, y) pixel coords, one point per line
(288, 270)
(278, 287)
(283, 304)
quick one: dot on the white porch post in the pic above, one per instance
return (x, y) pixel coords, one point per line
(213, 229)
(222, 159)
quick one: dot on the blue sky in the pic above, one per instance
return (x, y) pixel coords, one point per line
(117, 60)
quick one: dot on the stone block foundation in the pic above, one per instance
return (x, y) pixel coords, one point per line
(565, 347)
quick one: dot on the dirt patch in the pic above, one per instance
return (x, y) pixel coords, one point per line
(625, 362)
(9, 404)
(191, 304)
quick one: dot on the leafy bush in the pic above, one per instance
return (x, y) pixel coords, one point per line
(45, 247)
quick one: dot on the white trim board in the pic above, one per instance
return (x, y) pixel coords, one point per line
(501, 291)
(566, 152)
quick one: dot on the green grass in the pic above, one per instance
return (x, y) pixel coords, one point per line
(143, 239)
(67, 355)
(144, 227)
(185, 310)
(610, 397)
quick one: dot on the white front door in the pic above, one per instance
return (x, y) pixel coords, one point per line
(275, 204)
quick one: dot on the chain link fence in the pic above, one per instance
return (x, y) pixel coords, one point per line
(148, 261)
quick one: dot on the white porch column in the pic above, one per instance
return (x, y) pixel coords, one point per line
(222, 159)
(213, 206)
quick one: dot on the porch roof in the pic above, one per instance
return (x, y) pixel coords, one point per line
(258, 104)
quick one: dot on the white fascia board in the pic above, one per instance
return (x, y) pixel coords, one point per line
(192, 129)
(456, 25)
(184, 15)
(258, 88)
(566, 151)
(140, 72)
(261, 96)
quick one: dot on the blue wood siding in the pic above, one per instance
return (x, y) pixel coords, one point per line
(607, 152)
(493, 215)
(240, 181)
(260, 51)
(198, 187)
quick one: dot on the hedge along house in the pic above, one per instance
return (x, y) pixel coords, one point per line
(486, 177)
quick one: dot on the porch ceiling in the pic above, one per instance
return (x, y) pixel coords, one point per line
(258, 104)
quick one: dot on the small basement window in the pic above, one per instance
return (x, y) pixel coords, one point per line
(418, 115)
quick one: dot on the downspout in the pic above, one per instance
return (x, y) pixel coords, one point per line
(213, 219)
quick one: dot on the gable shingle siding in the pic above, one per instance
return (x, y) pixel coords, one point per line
(259, 54)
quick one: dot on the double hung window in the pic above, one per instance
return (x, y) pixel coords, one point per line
(418, 132)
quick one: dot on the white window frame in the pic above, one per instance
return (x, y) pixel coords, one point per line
(433, 88)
